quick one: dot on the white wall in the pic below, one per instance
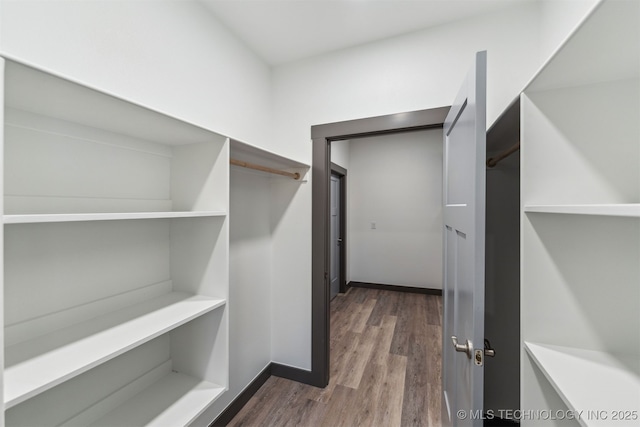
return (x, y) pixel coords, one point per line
(291, 280)
(340, 153)
(558, 19)
(396, 182)
(416, 71)
(172, 56)
(249, 282)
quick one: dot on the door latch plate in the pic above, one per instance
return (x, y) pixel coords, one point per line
(479, 357)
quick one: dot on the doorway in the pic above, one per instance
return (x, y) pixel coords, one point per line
(322, 136)
(338, 232)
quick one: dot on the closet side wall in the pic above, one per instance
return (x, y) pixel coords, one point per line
(249, 284)
(291, 279)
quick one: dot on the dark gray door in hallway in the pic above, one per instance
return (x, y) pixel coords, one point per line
(336, 239)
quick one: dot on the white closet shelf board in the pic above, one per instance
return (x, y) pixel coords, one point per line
(627, 210)
(249, 153)
(44, 218)
(591, 380)
(604, 47)
(42, 92)
(175, 400)
(37, 365)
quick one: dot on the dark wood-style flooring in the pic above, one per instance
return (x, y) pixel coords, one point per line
(385, 368)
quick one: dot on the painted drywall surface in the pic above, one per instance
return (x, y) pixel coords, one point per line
(558, 19)
(340, 153)
(412, 72)
(172, 56)
(291, 280)
(396, 183)
(249, 283)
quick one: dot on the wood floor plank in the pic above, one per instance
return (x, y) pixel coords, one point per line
(337, 409)
(368, 396)
(360, 321)
(400, 342)
(434, 374)
(343, 321)
(390, 413)
(351, 313)
(308, 413)
(339, 302)
(415, 404)
(340, 353)
(289, 405)
(357, 360)
(382, 346)
(387, 304)
(433, 310)
(359, 295)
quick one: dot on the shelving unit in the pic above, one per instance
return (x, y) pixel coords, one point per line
(628, 209)
(567, 368)
(165, 403)
(41, 218)
(39, 364)
(115, 258)
(581, 223)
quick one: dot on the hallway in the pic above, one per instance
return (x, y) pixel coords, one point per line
(385, 368)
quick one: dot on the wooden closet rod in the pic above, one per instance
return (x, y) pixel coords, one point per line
(294, 175)
(493, 161)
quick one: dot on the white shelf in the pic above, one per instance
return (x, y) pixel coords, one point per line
(627, 210)
(249, 153)
(37, 365)
(43, 92)
(77, 217)
(591, 380)
(175, 400)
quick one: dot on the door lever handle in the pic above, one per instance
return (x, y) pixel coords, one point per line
(488, 350)
(462, 348)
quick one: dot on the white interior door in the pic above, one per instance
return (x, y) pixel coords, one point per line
(335, 236)
(464, 228)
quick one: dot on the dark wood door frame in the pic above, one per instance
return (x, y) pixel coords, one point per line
(341, 172)
(322, 135)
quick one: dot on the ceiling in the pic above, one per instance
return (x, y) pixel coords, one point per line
(281, 31)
